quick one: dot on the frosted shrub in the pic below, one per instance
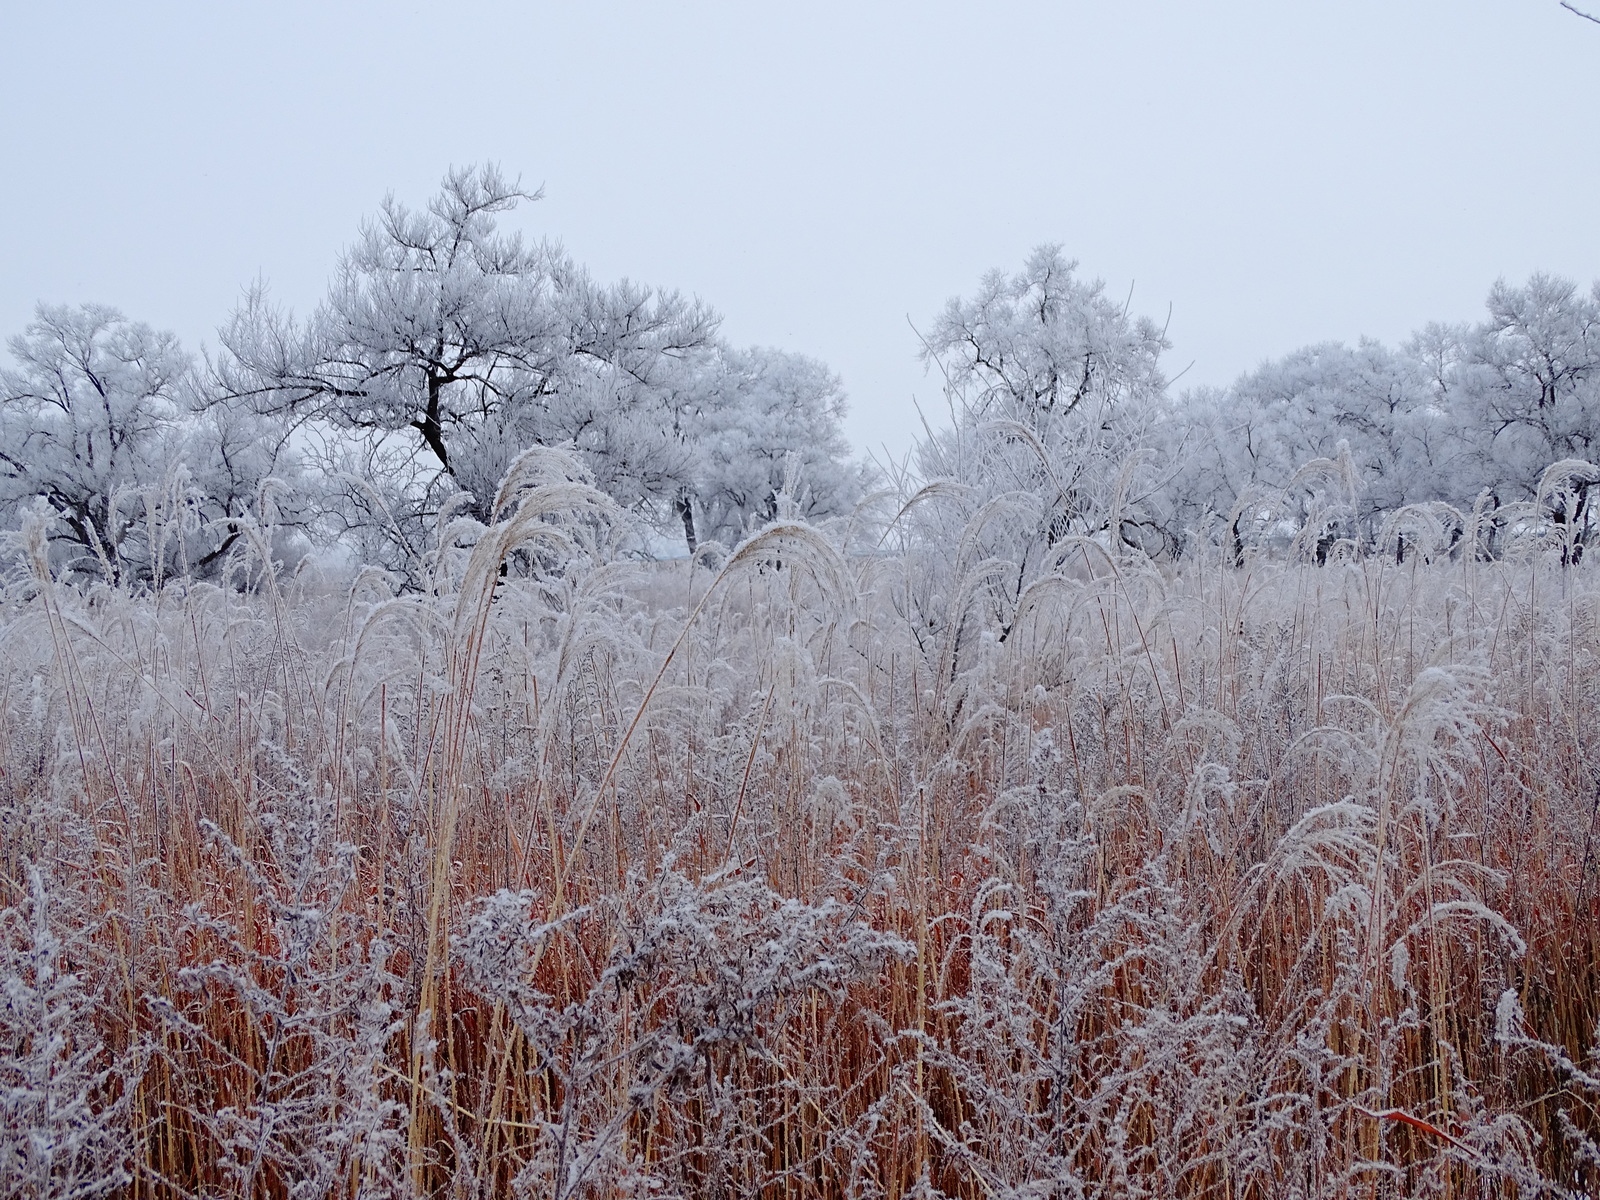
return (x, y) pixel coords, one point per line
(1091, 1057)
(311, 1016)
(62, 1129)
(679, 1031)
(1581, 1096)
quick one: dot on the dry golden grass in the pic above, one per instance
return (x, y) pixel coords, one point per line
(1200, 881)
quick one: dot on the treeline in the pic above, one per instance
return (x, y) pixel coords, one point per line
(384, 422)
(443, 349)
(1467, 433)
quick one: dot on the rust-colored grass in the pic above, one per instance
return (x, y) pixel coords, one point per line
(1202, 881)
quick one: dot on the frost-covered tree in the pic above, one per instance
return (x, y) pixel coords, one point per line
(1217, 451)
(1052, 389)
(1456, 411)
(446, 346)
(86, 417)
(1366, 405)
(97, 416)
(1524, 387)
(768, 415)
(1052, 386)
(1367, 396)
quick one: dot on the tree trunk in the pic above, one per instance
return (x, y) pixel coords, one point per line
(685, 506)
(431, 428)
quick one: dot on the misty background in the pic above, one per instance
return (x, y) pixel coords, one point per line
(1276, 174)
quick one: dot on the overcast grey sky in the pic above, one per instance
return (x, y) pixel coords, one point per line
(1277, 172)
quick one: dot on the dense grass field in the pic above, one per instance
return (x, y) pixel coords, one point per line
(602, 879)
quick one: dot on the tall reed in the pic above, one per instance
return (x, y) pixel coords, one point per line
(825, 874)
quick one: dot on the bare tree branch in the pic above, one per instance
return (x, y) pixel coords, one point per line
(1573, 9)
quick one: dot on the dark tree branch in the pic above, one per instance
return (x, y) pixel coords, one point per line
(1579, 12)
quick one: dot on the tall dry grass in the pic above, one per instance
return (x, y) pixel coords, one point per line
(599, 879)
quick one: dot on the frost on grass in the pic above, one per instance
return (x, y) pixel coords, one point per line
(688, 1015)
(66, 1132)
(981, 865)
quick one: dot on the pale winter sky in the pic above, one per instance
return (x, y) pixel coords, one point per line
(1277, 172)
